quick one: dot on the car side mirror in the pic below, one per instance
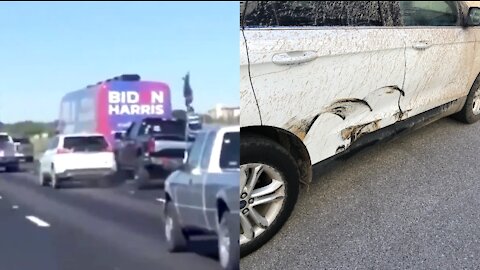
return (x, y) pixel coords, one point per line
(473, 17)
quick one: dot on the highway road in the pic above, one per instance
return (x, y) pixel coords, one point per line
(82, 227)
(409, 203)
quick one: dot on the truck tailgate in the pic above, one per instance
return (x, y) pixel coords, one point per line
(167, 148)
(7, 149)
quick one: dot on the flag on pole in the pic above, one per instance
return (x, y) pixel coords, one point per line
(187, 92)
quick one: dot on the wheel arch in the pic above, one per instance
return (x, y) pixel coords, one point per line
(290, 142)
(222, 208)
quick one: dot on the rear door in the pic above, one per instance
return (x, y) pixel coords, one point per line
(334, 69)
(87, 152)
(199, 182)
(439, 54)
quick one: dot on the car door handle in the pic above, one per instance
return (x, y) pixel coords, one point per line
(294, 58)
(421, 45)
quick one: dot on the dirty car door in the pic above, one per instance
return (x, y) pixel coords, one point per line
(326, 71)
(439, 52)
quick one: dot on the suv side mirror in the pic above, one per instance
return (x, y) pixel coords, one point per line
(473, 17)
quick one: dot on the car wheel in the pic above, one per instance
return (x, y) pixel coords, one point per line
(470, 112)
(41, 179)
(54, 180)
(176, 238)
(269, 185)
(228, 246)
(12, 168)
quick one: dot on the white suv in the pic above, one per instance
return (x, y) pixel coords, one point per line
(76, 156)
(320, 78)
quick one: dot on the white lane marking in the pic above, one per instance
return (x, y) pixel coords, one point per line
(0, 197)
(160, 200)
(15, 206)
(39, 222)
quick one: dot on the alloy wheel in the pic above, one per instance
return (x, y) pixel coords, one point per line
(262, 194)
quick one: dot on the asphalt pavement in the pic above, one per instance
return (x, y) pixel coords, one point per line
(408, 203)
(85, 227)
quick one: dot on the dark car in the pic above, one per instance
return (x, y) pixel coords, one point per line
(202, 197)
(151, 148)
(24, 149)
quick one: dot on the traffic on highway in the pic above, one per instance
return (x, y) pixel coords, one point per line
(199, 172)
(119, 171)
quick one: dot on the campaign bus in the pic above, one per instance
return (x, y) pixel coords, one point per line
(111, 105)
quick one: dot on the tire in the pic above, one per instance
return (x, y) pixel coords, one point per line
(13, 168)
(258, 149)
(41, 179)
(54, 183)
(142, 178)
(228, 245)
(176, 238)
(467, 115)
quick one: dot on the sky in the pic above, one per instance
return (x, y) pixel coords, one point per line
(48, 49)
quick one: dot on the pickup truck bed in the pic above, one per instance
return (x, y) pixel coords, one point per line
(151, 148)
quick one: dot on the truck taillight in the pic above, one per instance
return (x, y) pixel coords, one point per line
(151, 145)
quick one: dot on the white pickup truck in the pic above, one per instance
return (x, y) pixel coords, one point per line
(8, 159)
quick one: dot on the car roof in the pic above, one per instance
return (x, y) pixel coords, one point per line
(81, 135)
(230, 129)
(220, 129)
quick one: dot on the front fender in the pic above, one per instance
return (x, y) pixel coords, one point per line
(250, 115)
(230, 198)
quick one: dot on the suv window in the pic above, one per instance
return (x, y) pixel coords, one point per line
(429, 13)
(85, 143)
(319, 13)
(195, 154)
(230, 155)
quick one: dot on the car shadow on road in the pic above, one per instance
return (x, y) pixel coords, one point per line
(327, 166)
(91, 183)
(204, 247)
